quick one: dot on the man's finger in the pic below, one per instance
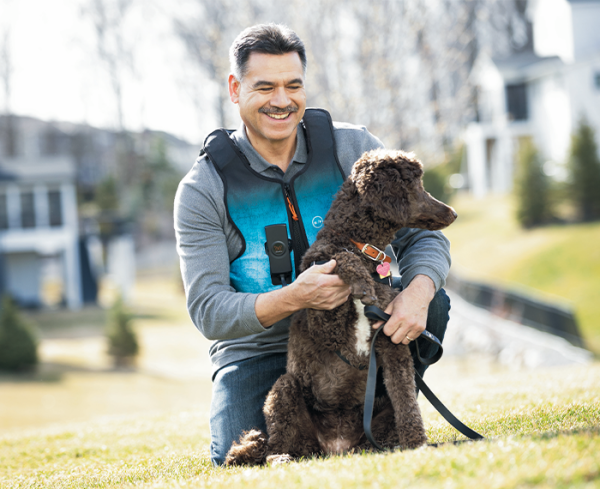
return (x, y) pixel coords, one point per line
(325, 267)
(389, 310)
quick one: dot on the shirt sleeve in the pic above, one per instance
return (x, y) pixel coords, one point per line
(351, 142)
(422, 252)
(205, 242)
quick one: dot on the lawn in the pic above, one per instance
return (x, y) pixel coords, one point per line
(79, 423)
(541, 426)
(76, 380)
(558, 263)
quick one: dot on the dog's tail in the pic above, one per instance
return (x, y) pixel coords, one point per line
(251, 449)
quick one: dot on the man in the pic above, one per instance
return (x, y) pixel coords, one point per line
(266, 172)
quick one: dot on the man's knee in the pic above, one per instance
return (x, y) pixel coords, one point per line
(437, 321)
(438, 314)
(249, 380)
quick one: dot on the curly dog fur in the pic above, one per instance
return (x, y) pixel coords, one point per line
(317, 406)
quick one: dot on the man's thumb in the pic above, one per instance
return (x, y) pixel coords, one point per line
(327, 267)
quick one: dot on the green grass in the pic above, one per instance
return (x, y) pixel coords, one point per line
(145, 430)
(542, 427)
(560, 263)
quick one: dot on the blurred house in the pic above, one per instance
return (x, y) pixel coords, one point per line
(50, 254)
(39, 231)
(540, 94)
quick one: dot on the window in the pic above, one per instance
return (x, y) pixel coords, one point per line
(3, 212)
(54, 208)
(27, 209)
(516, 102)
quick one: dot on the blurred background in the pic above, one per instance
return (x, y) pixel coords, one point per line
(104, 105)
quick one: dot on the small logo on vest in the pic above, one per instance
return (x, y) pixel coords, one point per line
(317, 222)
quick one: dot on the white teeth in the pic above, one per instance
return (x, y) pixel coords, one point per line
(279, 116)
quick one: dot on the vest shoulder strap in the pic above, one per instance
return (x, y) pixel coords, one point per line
(219, 142)
(321, 128)
(320, 134)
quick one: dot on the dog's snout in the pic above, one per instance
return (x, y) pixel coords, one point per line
(454, 214)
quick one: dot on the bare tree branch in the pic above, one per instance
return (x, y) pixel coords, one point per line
(108, 17)
(8, 128)
(400, 67)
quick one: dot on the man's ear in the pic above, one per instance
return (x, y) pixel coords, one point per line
(234, 88)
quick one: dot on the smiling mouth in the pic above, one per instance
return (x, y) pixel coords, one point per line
(278, 117)
(278, 114)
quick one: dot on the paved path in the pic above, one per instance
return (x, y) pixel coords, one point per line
(475, 331)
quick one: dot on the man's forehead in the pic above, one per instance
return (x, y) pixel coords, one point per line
(262, 65)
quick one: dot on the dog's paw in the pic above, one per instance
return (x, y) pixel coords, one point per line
(279, 459)
(250, 450)
(364, 293)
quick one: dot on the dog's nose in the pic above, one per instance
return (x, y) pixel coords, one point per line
(454, 214)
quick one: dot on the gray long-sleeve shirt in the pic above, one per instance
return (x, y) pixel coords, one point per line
(207, 243)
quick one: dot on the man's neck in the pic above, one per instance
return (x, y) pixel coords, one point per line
(278, 153)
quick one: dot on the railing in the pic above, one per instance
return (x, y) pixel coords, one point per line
(519, 307)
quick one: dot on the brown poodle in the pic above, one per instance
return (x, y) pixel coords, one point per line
(317, 406)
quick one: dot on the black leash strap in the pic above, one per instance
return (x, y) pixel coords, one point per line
(373, 312)
(444, 411)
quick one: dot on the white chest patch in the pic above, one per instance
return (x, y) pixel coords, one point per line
(363, 329)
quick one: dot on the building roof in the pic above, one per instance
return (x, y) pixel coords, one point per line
(525, 66)
(47, 169)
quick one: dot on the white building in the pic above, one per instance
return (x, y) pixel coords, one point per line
(39, 238)
(540, 95)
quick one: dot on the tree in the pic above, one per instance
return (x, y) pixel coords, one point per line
(207, 34)
(18, 343)
(584, 167)
(531, 188)
(115, 54)
(115, 50)
(122, 340)
(8, 129)
(399, 67)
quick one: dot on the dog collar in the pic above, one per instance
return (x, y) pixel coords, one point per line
(372, 252)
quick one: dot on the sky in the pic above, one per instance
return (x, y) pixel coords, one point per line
(56, 74)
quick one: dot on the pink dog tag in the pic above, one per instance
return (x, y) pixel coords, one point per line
(383, 269)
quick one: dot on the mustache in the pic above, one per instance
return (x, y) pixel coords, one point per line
(278, 110)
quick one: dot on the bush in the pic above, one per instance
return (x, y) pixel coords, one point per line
(532, 188)
(584, 167)
(434, 181)
(18, 342)
(436, 178)
(122, 340)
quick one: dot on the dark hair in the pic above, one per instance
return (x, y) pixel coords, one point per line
(267, 39)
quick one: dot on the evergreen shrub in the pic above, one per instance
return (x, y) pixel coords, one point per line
(584, 172)
(18, 341)
(122, 340)
(532, 187)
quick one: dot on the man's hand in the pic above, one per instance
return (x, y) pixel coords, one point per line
(314, 288)
(408, 311)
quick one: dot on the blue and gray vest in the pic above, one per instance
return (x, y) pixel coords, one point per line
(254, 201)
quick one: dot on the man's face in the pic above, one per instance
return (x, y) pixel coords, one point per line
(271, 97)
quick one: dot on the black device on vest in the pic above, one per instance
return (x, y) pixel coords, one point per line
(278, 249)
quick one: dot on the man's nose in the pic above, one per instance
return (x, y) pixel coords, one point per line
(280, 98)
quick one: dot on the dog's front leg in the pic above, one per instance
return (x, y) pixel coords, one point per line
(289, 425)
(399, 379)
(352, 271)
